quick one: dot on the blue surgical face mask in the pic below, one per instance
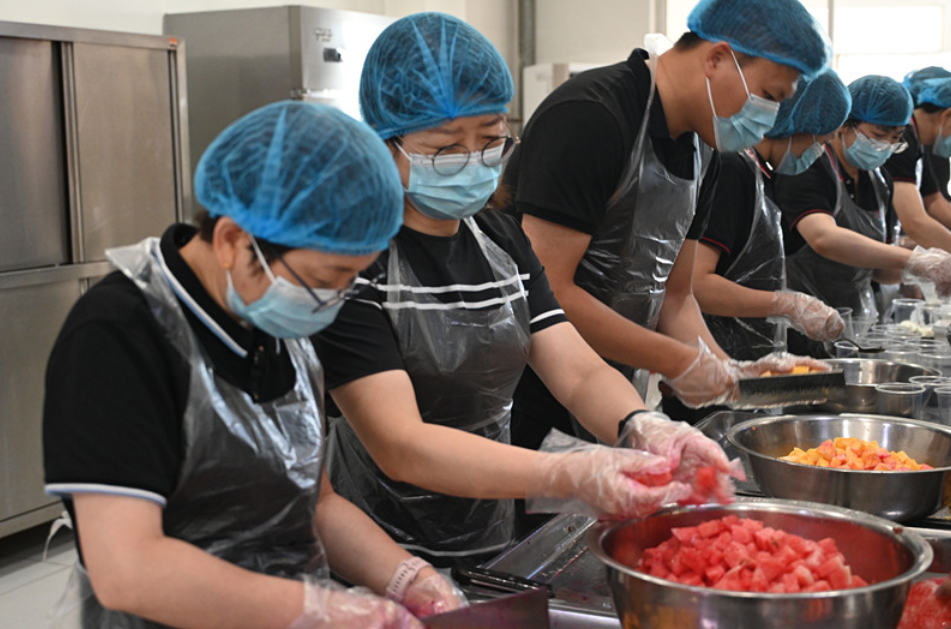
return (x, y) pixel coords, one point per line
(942, 144)
(864, 154)
(747, 127)
(284, 310)
(792, 165)
(451, 197)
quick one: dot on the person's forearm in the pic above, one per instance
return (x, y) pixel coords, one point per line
(618, 339)
(357, 548)
(174, 583)
(848, 247)
(719, 296)
(920, 227)
(681, 319)
(938, 208)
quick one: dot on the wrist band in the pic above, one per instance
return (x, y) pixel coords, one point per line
(623, 423)
(404, 575)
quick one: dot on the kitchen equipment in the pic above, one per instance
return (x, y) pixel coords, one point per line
(895, 495)
(861, 375)
(867, 350)
(887, 556)
(525, 610)
(785, 389)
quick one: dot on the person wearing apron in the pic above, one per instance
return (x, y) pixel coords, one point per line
(184, 423)
(834, 213)
(615, 175)
(424, 364)
(739, 276)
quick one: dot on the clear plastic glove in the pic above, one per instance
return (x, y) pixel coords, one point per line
(427, 596)
(574, 476)
(932, 265)
(327, 605)
(808, 315)
(777, 362)
(695, 459)
(707, 381)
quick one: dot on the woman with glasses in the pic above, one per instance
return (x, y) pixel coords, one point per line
(183, 422)
(424, 362)
(739, 274)
(835, 213)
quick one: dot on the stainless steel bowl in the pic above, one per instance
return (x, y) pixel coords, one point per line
(889, 557)
(861, 376)
(897, 496)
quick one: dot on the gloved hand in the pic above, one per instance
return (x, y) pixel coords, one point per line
(808, 315)
(427, 596)
(933, 265)
(327, 605)
(777, 362)
(574, 476)
(694, 458)
(707, 381)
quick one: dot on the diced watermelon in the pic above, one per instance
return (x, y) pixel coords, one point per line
(685, 533)
(710, 528)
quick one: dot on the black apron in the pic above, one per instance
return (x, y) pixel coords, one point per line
(249, 483)
(758, 266)
(464, 365)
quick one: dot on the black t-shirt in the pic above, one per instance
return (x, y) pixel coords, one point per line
(734, 206)
(816, 191)
(116, 388)
(577, 145)
(904, 166)
(940, 168)
(362, 342)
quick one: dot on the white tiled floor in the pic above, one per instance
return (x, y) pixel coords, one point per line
(29, 585)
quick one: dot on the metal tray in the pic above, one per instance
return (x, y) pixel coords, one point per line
(784, 390)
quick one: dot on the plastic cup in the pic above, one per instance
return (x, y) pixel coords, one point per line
(900, 399)
(846, 314)
(930, 411)
(844, 349)
(862, 325)
(907, 309)
(943, 398)
(937, 357)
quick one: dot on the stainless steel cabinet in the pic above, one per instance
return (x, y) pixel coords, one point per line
(94, 155)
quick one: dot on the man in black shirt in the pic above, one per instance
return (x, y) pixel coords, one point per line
(614, 176)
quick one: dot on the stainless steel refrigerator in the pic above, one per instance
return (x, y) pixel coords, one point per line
(242, 59)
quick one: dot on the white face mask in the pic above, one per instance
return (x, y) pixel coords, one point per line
(747, 127)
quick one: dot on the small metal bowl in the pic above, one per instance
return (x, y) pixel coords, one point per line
(861, 376)
(889, 557)
(895, 495)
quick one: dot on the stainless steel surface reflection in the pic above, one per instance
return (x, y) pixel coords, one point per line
(861, 376)
(889, 557)
(898, 496)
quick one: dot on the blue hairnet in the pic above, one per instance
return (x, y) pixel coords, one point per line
(428, 68)
(819, 106)
(914, 79)
(880, 100)
(304, 175)
(935, 92)
(779, 30)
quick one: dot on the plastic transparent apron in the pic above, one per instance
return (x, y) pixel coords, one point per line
(251, 474)
(841, 285)
(464, 366)
(758, 266)
(631, 254)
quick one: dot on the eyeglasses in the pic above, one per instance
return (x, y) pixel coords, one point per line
(451, 159)
(331, 296)
(884, 145)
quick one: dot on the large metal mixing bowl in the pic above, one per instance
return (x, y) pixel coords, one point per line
(894, 495)
(889, 557)
(861, 376)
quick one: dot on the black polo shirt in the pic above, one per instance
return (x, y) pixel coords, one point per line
(940, 168)
(904, 166)
(116, 388)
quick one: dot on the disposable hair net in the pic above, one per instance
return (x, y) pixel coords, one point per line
(818, 106)
(304, 175)
(779, 30)
(935, 92)
(427, 68)
(880, 100)
(916, 78)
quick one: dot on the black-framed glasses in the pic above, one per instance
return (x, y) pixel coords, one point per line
(451, 159)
